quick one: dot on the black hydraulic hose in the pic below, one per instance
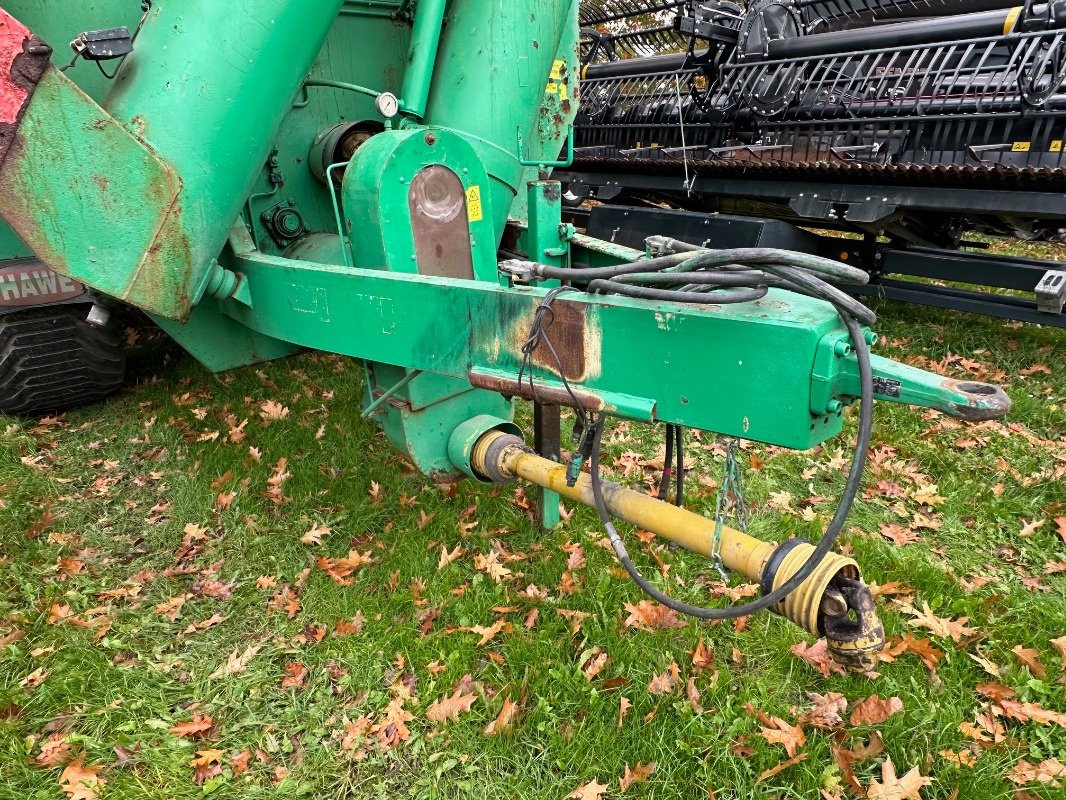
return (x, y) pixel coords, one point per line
(723, 296)
(851, 490)
(679, 435)
(668, 463)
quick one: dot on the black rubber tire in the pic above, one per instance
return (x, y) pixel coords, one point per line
(51, 359)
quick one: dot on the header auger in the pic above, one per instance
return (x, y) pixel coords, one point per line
(373, 179)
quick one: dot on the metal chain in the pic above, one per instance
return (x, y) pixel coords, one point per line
(730, 498)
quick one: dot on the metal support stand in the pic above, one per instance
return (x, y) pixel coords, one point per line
(547, 438)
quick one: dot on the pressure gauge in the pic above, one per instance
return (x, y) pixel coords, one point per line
(388, 105)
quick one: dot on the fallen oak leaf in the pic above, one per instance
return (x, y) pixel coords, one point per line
(195, 728)
(1060, 644)
(827, 710)
(80, 782)
(776, 731)
(818, 657)
(295, 675)
(1029, 657)
(665, 682)
(652, 616)
(1046, 772)
(490, 633)
(447, 558)
(54, 751)
(940, 626)
(639, 774)
(315, 535)
(237, 662)
(589, 791)
(874, 710)
(450, 707)
(206, 765)
(595, 664)
(891, 787)
(505, 719)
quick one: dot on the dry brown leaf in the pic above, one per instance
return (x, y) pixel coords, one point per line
(489, 633)
(34, 679)
(315, 535)
(80, 782)
(272, 411)
(236, 663)
(963, 758)
(1030, 658)
(692, 694)
(196, 727)
(702, 656)
(447, 558)
(505, 719)
(589, 791)
(1046, 772)
(791, 762)
(491, 566)
(873, 710)
(450, 707)
(639, 774)
(595, 664)
(1060, 645)
(777, 731)
(295, 675)
(954, 629)
(206, 765)
(623, 708)
(55, 750)
(652, 616)
(818, 657)
(827, 710)
(891, 787)
(665, 682)
(348, 627)
(342, 569)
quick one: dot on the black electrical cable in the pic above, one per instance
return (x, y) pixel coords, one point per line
(851, 490)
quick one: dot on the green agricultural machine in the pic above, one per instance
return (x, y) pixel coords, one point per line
(373, 178)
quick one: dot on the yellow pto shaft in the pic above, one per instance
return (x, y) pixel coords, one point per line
(831, 602)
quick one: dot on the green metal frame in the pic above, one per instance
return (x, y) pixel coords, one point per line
(154, 196)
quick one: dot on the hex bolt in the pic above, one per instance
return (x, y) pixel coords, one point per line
(842, 349)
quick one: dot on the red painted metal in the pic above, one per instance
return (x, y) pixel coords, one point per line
(14, 91)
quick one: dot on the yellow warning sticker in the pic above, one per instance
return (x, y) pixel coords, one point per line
(1056, 146)
(474, 210)
(558, 70)
(1021, 147)
(552, 88)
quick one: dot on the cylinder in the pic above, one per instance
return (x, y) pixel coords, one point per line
(208, 86)
(900, 34)
(493, 78)
(422, 55)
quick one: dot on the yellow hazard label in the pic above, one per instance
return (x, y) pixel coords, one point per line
(558, 70)
(1021, 147)
(552, 88)
(1056, 146)
(474, 210)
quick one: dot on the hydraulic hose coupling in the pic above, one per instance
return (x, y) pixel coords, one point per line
(833, 602)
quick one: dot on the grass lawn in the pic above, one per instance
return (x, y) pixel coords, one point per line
(231, 585)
